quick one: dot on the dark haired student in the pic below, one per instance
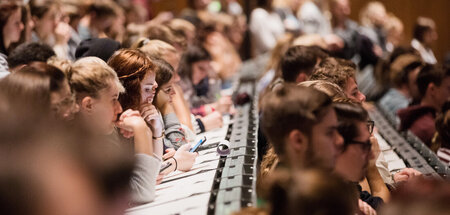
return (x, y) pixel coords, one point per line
(11, 27)
(434, 87)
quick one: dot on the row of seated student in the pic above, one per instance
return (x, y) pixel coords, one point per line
(320, 156)
(100, 127)
(307, 66)
(94, 99)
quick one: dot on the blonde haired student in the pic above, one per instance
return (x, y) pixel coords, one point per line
(97, 91)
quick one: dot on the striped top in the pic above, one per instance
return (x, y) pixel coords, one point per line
(444, 155)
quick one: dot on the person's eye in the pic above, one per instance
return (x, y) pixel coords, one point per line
(330, 133)
(55, 109)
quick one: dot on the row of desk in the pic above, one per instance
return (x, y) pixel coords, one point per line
(409, 148)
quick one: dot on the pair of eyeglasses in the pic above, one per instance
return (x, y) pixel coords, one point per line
(366, 146)
(370, 126)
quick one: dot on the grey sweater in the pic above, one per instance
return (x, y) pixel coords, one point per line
(143, 180)
(146, 169)
(175, 135)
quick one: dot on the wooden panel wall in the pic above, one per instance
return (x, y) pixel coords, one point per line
(409, 10)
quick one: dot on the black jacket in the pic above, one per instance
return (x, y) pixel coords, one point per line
(374, 201)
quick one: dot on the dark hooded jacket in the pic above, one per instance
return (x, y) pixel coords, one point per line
(419, 119)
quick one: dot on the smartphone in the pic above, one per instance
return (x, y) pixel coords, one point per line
(165, 166)
(195, 148)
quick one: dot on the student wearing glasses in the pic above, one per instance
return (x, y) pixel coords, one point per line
(311, 137)
(342, 73)
(357, 159)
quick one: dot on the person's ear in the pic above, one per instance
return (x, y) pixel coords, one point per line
(297, 141)
(35, 20)
(87, 104)
(432, 89)
(301, 78)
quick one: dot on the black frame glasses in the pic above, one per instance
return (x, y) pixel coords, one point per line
(366, 146)
(370, 126)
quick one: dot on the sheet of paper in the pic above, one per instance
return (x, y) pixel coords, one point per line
(390, 155)
(207, 157)
(382, 142)
(197, 204)
(396, 165)
(206, 176)
(210, 166)
(184, 191)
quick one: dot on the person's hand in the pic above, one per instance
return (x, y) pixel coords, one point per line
(151, 116)
(129, 121)
(224, 104)
(215, 43)
(406, 174)
(159, 178)
(162, 99)
(334, 42)
(365, 208)
(375, 150)
(170, 152)
(62, 33)
(185, 159)
(377, 50)
(212, 120)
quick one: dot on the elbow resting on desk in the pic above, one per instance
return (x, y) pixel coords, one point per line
(143, 181)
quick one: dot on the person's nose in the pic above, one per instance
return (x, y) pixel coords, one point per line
(339, 142)
(31, 24)
(362, 97)
(118, 108)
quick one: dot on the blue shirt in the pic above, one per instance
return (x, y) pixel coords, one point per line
(393, 101)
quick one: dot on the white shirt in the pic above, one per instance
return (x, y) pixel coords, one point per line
(314, 21)
(4, 70)
(266, 28)
(426, 53)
